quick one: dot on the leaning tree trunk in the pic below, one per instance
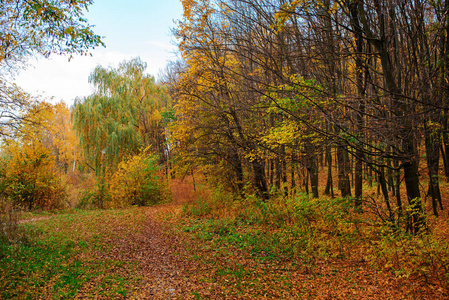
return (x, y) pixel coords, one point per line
(403, 110)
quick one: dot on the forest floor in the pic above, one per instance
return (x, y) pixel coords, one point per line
(151, 253)
(184, 266)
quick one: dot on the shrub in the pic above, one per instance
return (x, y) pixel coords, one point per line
(136, 182)
(29, 178)
(94, 197)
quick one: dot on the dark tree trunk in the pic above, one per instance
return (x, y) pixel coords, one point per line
(234, 159)
(358, 185)
(413, 194)
(432, 143)
(398, 188)
(292, 176)
(259, 179)
(445, 146)
(402, 108)
(344, 183)
(384, 189)
(312, 168)
(284, 171)
(329, 190)
(278, 166)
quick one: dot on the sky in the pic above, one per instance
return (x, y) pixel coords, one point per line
(130, 28)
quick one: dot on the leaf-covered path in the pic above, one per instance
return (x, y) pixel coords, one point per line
(169, 265)
(160, 263)
(161, 267)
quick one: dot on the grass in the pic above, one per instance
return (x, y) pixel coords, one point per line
(60, 257)
(283, 247)
(276, 230)
(295, 248)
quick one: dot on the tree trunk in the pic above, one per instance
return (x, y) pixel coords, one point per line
(292, 176)
(259, 179)
(413, 194)
(312, 168)
(329, 190)
(344, 183)
(398, 189)
(432, 143)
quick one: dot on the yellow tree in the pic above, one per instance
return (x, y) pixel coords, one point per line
(219, 115)
(29, 174)
(62, 137)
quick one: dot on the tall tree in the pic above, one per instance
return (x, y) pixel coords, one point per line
(123, 116)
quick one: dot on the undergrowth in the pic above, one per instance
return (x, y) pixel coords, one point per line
(300, 231)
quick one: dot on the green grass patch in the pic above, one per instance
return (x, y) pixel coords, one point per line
(276, 230)
(250, 240)
(56, 257)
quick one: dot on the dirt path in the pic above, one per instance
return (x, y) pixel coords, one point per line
(33, 220)
(167, 272)
(163, 268)
(160, 268)
(162, 262)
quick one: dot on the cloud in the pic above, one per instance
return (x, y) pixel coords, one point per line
(163, 45)
(62, 79)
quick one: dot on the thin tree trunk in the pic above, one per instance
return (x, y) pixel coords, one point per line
(329, 184)
(292, 175)
(432, 144)
(398, 189)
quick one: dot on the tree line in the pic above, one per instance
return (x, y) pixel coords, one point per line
(48, 151)
(266, 95)
(269, 91)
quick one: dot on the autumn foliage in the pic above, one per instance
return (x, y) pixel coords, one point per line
(136, 182)
(314, 136)
(34, 160)
(31, 180)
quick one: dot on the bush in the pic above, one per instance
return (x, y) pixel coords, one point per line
(94, 197)
(136, 182)
(28, 177)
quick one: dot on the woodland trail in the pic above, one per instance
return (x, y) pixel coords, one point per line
(165, 268)
(162, 262)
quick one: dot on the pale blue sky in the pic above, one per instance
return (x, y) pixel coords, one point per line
(131, 28)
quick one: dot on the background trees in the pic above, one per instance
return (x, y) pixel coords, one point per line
(36, 155)
(124, 118)
(271, 89)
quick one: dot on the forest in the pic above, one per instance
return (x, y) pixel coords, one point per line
(297, 149)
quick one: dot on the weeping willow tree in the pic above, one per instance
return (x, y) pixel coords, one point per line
(122, 116)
